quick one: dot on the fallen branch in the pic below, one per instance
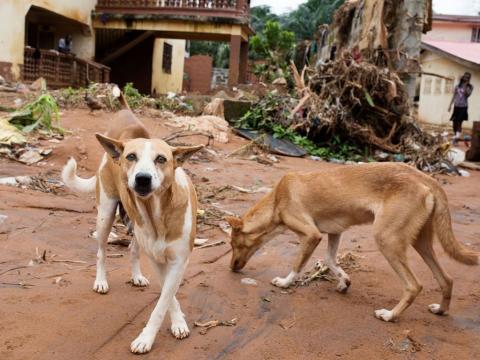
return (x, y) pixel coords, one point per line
(214, 323)
(69, 261)
(215, 259)
(217, 243)
(12, 269)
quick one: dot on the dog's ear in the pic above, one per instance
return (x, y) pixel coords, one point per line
(182, 153)
(235, 222)
(113, 147)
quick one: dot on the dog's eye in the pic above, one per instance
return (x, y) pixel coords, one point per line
(160, 159)
(131, 157)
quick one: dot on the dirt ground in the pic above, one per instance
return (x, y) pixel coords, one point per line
(56, 315)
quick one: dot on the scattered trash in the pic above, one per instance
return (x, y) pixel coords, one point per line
(3, 218)
(214, 323)
(266, 299)
(249, 281)
(39, 258)
(463, 173)
(456, 156)
(287, 324)
(30, 157)
(319, 271)
(272, 144)
(200, 242)
(38, 183)
(115, 256)
(406, 343)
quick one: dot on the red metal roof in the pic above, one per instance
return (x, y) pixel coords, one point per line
(467, 51)
(457, 18)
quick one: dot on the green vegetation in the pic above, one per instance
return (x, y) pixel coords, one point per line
(275, 45)
(303, 23)
(270, 114)
(133, 96)
(41, 114)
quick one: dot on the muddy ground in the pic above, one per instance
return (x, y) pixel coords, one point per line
(55, 314)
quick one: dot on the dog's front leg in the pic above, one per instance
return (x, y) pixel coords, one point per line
(105, 218)
(173, 277)
(137, 277)
(309, 239)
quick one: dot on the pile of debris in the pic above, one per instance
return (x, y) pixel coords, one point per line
(365, 105)
(39, 117)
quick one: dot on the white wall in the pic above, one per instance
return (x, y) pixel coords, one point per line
(435, 98)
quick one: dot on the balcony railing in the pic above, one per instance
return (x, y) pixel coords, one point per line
(62, 70)
(235, 9)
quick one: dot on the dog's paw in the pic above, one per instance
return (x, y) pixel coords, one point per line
(384, 314)
(180, 329)
(435, 309)
(281, 282)
(342, 288)
(140, 280)
(100, 286)
(143, 343)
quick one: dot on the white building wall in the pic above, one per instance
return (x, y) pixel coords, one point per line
(436, 93)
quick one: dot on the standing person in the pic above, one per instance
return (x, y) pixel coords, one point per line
(65, 44)
(460, 104)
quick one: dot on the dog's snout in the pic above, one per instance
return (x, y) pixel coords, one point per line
(143, 184)
(143, 179)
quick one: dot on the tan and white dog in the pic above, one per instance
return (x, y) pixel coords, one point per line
(143, 176)
(405, 206)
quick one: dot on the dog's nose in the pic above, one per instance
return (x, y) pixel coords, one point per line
(143, 180)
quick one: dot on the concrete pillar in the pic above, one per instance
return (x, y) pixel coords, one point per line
(243, 62)
(234, 64)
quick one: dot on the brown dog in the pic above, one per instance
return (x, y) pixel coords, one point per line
(405, 206)
(143, 176)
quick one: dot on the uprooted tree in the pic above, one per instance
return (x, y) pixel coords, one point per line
(362, 96)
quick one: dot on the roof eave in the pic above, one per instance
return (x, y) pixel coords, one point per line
(453, 57)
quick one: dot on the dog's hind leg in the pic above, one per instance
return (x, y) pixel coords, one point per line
(137, 277)
(424, 247)
(331, 261)
(105, 217)
(309, 237)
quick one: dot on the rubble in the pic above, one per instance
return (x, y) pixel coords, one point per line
(212, 125)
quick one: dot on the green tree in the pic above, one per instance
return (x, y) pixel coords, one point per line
(259, 16)
(305, 21)
(275, 45)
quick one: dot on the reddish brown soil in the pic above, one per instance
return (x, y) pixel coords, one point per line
(69, 321)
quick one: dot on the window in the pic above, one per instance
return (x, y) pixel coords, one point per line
(167, 58)
(427, 86)
(449, 86)
(438, 86)
(476, 34)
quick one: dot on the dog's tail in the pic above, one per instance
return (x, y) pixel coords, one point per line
(78, 184)
(443, 230)
(123, 101)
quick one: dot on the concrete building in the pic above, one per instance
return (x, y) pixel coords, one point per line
(448, 51)
(117, 40)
